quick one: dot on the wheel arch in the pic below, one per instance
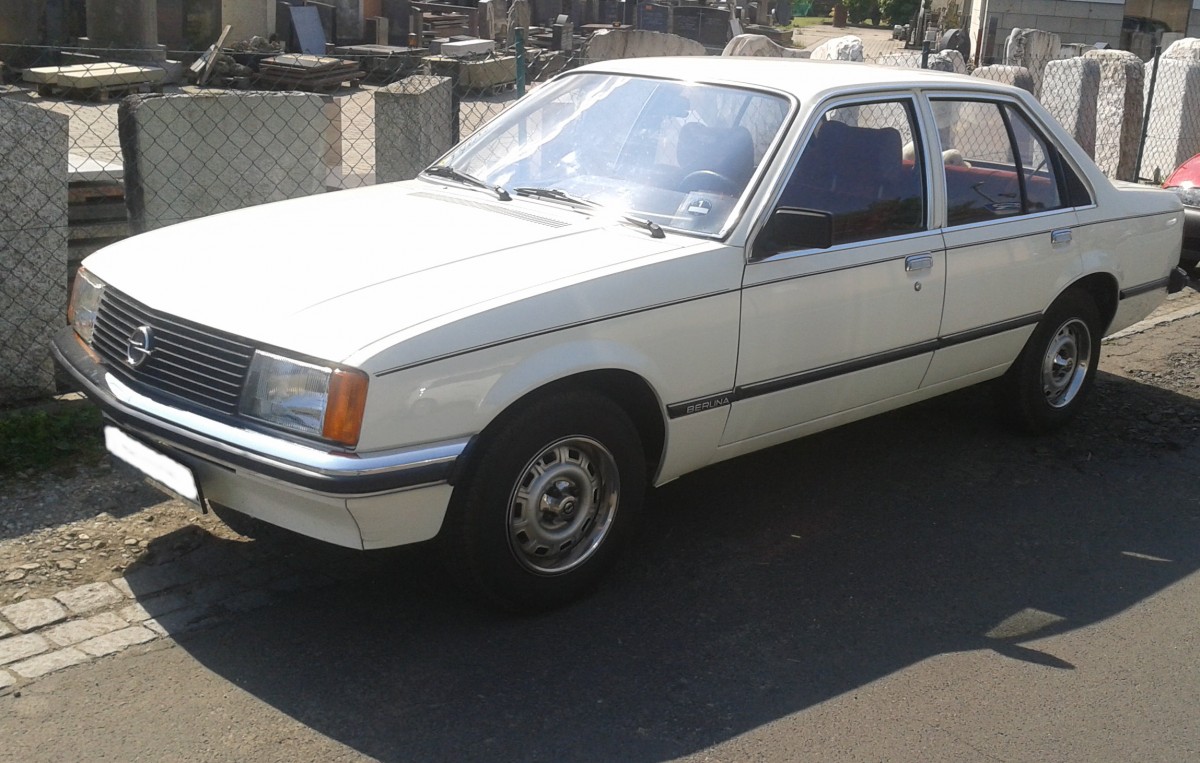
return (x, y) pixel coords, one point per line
(1104, 291)
(628, 390)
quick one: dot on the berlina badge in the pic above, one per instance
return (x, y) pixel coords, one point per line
(139, 346)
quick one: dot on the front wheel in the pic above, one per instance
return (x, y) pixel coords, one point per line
(541, 515)
(1052, 376)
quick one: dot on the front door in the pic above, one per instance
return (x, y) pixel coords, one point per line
(830, 330)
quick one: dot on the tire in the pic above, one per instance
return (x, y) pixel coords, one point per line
(1051, 378)
(547, 503)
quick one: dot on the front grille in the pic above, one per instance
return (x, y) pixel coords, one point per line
(188, 361)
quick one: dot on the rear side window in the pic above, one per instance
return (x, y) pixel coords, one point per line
(863, 166)
(996, 164)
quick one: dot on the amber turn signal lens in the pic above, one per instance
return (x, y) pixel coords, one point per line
(344, 411)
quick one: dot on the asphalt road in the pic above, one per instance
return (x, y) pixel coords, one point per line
(922, 586)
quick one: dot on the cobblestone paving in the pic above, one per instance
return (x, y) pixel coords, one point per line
(216, 581)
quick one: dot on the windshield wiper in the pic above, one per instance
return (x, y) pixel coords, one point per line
(557, 194)
(446, 171)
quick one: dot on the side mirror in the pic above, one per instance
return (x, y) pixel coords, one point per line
(792, 228)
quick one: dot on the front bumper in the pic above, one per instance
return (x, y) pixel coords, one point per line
(1191, 236)
(358, 500)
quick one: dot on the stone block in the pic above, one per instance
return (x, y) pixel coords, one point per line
(1032, 49)
(33, 245)
(155, 606)
(117, 641)
(939, 63)
(1187, 49)
(74, 631)
(958, 65)
(35, 613)
(90, 597)
(1018, 76)
(5, 630)
(1070, 91)
(7, 680)
(1173, 131)
(846, 48)
(187, 156)
(759, 45)
(19, 647)
(48, 663)
(414, 125)
(1118, 111)
(609, 44)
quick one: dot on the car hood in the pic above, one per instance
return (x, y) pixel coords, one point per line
(330, 274)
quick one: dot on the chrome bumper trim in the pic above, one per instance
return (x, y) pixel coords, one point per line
(190, 435)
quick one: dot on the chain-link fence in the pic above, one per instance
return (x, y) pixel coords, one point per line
(251, 123)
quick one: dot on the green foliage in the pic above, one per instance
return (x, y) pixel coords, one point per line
(821, 8)
(857, 10)
(48, 436)
(899, 11)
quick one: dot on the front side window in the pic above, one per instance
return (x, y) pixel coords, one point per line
(679, 153)
(862, 165)
(996, 164)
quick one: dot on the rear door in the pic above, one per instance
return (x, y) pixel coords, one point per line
(1007, 205)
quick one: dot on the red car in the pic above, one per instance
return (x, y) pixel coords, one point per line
(1185, 181)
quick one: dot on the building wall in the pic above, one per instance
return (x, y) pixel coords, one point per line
(248, 18)
(1072, 20)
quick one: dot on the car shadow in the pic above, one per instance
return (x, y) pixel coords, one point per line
(756, 589)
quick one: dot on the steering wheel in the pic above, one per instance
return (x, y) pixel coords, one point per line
(708, 180)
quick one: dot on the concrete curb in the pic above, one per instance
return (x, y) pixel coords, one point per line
(1153, 321)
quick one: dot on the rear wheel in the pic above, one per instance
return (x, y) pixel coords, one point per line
(543, 512)
(1052, 376)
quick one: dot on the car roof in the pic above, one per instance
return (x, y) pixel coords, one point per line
(801, 77)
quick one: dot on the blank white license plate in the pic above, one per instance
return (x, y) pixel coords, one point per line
(162, 469)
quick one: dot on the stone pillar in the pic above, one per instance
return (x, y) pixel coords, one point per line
(414, 125)
(487, 19)
(1070, 91)
(1118, 111)
(187, 156)
(1018, 76)
(33, 246)
(1033, 49)
(848, 48)
(1173, 134)
(519, 16)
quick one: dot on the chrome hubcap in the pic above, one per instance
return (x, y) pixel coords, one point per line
(563, 505)
(1066, 362)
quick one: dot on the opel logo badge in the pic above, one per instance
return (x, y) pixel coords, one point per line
(139, 346)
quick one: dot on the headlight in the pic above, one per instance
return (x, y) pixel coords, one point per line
(85, 301)
(314, 400)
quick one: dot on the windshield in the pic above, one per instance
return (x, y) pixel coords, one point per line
(676, 153)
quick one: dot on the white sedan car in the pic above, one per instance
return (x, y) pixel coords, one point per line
(642, 268)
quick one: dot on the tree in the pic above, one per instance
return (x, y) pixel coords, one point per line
(899, 12)
(857, 10)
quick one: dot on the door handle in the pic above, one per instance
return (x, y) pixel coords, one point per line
(918, 262)
(1060, 236)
